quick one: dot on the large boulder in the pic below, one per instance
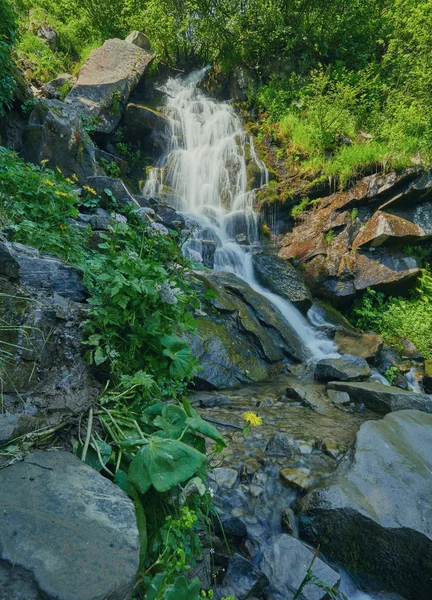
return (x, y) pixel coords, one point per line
(55, 132)
(280, 277)
(115, 187)
(285, 561)
(106, 80)
(66, 532)
(240, 337)
(383, 398)
(374, 515)
(345, 368)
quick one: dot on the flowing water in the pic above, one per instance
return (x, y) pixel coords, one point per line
(206, 176)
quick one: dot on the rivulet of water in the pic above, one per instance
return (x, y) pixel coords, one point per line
(207, 176)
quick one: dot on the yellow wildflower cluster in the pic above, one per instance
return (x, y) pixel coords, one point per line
(44, 161)
(89, 189)
(49, 182)
(64, 194)
(252, 418)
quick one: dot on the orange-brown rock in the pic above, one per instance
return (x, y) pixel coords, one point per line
(384, 227)
(347, 243)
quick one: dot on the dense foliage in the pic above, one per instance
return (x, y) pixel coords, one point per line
(8, 27)
(398, 318)
(143, 433)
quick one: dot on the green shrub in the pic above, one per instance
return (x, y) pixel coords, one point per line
(8, 29)
(396, 318)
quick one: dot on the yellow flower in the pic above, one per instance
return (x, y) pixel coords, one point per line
(74, 177)
(49, 182)
(89, 189)
(252, 419)
(62, 226)
(69, 180)
(44, 161)
(59, 170)
(62, 194)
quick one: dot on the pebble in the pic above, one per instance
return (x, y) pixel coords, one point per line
(298, 478)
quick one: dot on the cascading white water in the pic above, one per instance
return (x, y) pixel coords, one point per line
(206, 178)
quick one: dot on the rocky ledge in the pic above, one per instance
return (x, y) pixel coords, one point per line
(374, 515)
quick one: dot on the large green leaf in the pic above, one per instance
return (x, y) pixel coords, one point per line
(164, 463)
(181, 590)
(200, 426)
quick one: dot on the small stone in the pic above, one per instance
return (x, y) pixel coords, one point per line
(340, 398)
(225, 478)
(137, 38)
(279, 445)
(297, 477)
(255, 490)
(241, 239)
(305, 447)
(289, 521)
(250, 466)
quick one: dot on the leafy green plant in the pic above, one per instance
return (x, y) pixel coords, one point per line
(110, 167)
(330, 236)
(391, 374)
(8, 30)
(299, 209)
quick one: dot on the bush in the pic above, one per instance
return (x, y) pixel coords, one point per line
(396, 318)
(8, 29)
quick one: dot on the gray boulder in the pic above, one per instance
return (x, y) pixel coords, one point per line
(32, 269)
(41, 301)
(106, 80)
(279, 276)
(346, 368)
(55, 132)
(239, 338)
(244, 578)
(285, 561)
(138, 39)
(383, 398)
(374, 515)
(66, 532)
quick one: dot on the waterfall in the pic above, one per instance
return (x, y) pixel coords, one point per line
(210, 174)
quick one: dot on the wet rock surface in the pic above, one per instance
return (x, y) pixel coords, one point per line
(285, 561)
(256, 510)
(346, 368)
(240, 337)
(374, 514)
(382, 398)
(280, 277)
(72, 534)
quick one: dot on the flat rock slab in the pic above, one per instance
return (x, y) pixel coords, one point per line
(374, 515)
(312, 395)
(383, 398)
(345, 368)
(285, 561)
(66, 532)
(243, 577)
